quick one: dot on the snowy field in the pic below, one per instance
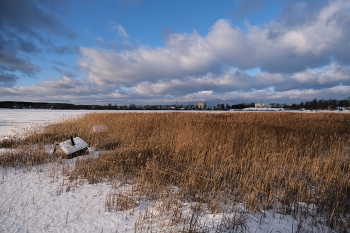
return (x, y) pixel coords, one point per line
(13, 121)
(41, 198)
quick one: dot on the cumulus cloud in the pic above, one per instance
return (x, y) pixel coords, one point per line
(184, 55)
(26, 28)
(238, 80)
(282, 48)
(302, 54)
(63, 72)
(62, 86)
(230, 80)
(269, 95)
(7, 80)
(66, 89)
(106, 67)
(231, 46)
(212, 89)
(23, 14)
(25, 21)
(10, 61)
(275, 48)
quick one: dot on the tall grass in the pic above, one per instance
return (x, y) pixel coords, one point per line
(276, 161)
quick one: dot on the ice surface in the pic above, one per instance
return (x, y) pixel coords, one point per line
(15, 121)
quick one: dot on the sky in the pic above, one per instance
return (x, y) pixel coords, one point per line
(176, 51)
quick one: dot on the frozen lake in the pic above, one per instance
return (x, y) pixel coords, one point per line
(12, 119)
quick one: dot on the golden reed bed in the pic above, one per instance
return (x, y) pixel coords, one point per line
(265, 160)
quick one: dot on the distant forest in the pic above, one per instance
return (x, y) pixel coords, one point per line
(310, 105)
(44, 105)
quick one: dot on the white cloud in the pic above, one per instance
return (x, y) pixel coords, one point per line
(194, 67)
(268, 95)
(230, 45)
(284, 48)
(78, 91)
(275, 48)
(62, 86)
(183, 55)
(109, 68)
(237, 80)
(121, 31)
(100, 39)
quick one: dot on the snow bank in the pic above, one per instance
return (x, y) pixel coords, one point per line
(42, 199)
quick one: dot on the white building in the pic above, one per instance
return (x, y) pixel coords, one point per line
(261, 105)
(202, 105)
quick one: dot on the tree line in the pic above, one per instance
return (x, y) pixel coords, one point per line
(309, 105)
(329, 104)
(44, 105)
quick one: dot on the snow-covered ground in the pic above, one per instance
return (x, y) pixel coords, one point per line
(14, 121)
(42, 199)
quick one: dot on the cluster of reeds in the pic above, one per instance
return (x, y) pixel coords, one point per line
(276, 161)
(20, 155)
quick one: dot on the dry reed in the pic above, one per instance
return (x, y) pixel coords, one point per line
(266, 160)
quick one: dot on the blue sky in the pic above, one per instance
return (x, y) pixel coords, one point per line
(162, 52)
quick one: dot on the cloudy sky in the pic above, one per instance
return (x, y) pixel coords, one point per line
(163, 52)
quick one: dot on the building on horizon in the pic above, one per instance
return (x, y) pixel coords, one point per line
(202, 105)
(261, 105)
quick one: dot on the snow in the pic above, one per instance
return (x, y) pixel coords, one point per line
(100, 128)
(68, 148)
(38, 201)
(14, 121)
(264, 109)
(43, 199)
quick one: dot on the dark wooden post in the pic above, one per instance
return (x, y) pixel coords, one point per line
(72, 141)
